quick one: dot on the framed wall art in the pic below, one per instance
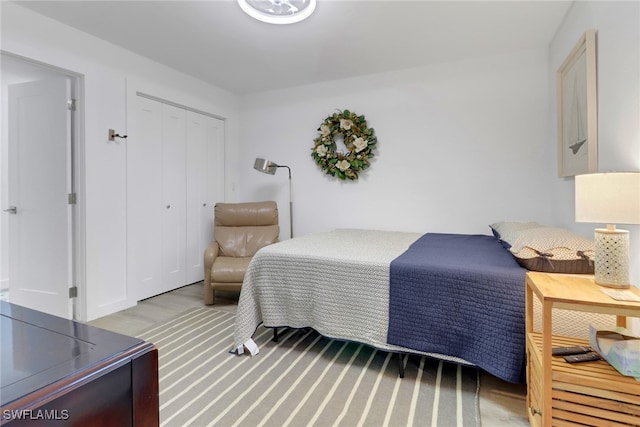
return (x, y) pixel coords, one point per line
(578, 109)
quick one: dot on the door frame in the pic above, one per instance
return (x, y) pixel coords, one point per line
(78, 279)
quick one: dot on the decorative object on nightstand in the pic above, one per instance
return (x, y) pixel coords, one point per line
(270, 168)
(611, 198)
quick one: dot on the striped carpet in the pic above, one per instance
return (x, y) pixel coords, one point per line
(303, 380)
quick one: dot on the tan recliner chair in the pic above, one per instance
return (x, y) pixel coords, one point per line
(240, 230)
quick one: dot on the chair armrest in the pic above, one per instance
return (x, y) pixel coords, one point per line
(210, 255)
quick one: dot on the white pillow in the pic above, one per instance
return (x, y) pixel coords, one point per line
(507, 231)
(554, 250)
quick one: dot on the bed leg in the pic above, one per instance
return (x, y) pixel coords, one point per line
(400, 366)
(275, 334)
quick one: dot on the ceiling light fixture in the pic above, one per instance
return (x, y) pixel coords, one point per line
(278, 11)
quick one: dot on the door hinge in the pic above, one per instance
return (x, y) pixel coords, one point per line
(71, 104)
(72, 198)
(73, 292)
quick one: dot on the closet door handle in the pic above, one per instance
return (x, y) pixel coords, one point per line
(204, 205)
(168, 206)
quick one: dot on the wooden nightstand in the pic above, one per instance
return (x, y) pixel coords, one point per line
(589, 393)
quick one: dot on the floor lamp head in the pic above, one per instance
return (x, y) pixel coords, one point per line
(265, 166)
(269, 167)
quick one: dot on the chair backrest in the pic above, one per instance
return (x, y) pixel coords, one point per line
(243, 228)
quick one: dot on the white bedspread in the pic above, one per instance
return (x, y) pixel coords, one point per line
(335, 282)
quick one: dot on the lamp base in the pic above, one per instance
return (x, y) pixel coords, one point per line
(612, 258)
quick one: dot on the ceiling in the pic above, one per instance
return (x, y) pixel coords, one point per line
(216, 42)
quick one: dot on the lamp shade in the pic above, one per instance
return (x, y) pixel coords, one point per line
(265, 166)
(608, 198)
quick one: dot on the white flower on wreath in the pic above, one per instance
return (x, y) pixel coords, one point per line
(360, 144)
(325, 130)
(321, 150)
(343, 165)
(346, 124)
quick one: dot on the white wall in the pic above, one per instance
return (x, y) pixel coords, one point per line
(108, 73)
(618, 57)
(460, 145)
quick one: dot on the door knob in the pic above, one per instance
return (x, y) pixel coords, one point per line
(168, 206)
(12, 210)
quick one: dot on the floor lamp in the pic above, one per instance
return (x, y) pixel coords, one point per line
(268, 167)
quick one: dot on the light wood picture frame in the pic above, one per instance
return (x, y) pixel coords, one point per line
(578, 109)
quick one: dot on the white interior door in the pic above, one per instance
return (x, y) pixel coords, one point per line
(196, 193)
(40, 220)
(215, 179)
(174, 197)
(205, 186)
(144, 200)
(156, 199)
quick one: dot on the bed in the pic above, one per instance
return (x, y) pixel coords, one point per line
(355, 285)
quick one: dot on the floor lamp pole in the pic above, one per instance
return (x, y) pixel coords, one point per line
(290, 204)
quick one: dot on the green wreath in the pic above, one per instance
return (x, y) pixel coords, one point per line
(359, 139)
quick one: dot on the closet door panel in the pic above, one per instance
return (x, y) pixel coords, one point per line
(173, 194)
(144, 196)
(215, 174)
(205, 186)
(196, 193)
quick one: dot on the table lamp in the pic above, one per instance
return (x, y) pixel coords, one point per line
(270, 168)
(609, 198)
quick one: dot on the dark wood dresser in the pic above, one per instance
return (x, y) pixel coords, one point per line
(57, 372)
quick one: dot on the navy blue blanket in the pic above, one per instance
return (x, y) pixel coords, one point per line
(463, 296)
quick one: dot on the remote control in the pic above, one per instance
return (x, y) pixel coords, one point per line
(566, 351)
(589, 357)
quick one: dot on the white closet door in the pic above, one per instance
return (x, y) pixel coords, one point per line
(144, 201)
(173, 196)
(196, 193)
(205, 175)
(175, 176)
(215, 175)
(156, 200)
